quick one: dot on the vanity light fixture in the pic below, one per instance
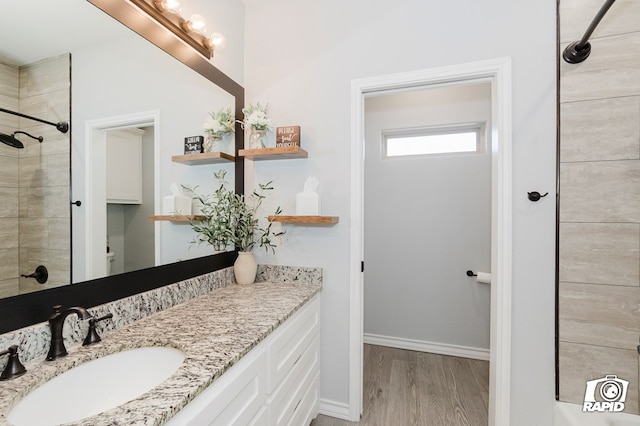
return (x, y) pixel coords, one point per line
(191, 31)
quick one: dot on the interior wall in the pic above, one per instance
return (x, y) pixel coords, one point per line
(183, 100)
(599, 263)
(427, 221)
(304, 68)
(9, 99)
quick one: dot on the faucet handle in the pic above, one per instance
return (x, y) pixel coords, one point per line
(92, 334)
(14, 367)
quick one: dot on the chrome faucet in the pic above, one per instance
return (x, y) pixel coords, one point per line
(56, 323)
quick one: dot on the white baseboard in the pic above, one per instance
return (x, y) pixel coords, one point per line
(336, 409)
(432, 347)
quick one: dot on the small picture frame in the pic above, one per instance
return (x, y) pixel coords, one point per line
(194, 145)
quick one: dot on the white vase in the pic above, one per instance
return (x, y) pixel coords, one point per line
(245, 268)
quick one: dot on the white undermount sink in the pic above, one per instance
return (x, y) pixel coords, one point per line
(96, 386)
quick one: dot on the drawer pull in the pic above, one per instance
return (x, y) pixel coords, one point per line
(296, 407)
(297, 359)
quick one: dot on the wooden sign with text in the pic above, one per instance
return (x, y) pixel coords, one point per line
(287, 136)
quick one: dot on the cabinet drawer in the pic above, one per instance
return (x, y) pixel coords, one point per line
(291, 343)
(233, 399)
(286, 399)
(308, 406)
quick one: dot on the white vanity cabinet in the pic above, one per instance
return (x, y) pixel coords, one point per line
(276, 383)
(124, 166)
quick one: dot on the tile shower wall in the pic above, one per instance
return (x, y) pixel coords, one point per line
(9, 99)
(44, 173)
(599, 255)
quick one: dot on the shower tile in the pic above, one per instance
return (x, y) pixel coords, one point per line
(9, 263)
(9, 287)
(57, 201)
(576, 15)
(9, 168)
(607, 129)
(580, 363)
(59, 234)
(8, 233)
(32, 171)
(33, 233)
(45, 76)
(599, 315)
(600, 253)
(9, 204)
(612, 70)
(604, 191)
(57, 169)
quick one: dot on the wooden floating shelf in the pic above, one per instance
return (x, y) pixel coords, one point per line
(285, 152)
(204, 158)
(176, 218)
(327, 220)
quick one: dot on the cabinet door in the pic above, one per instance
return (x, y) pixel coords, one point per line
(124, 166)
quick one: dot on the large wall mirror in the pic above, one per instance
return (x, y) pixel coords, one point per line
(118, 83)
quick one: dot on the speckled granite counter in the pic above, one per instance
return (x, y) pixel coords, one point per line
(214, 331)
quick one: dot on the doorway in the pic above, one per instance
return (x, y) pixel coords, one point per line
(97, 214)
(496, 73)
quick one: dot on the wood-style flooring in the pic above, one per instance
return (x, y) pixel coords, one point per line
(403, 388)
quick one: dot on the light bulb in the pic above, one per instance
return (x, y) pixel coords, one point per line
(217, 41)
(196, 24)
(172, 6)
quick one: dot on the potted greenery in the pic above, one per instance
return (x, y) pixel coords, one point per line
(217, 125)
(227, 218)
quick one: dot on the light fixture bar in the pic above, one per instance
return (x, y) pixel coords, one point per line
(174, 23)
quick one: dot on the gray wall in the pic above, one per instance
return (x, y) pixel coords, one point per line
(600, 201)
(427, 220)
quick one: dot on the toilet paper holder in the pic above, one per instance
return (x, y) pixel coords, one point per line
(471, 274)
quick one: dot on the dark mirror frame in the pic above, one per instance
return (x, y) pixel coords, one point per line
(32, 308)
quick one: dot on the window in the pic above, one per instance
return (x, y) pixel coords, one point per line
(460, 139)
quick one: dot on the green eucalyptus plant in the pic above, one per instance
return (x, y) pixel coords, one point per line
(229, 219)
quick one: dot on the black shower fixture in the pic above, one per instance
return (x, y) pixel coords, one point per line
(62, 127)
(12, 141)
(579, 51)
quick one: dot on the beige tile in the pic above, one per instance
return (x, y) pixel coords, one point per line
(9, 203)
(600, 253)
(60, 234)
(580, 363)
(57, 202)
(600, 315)
(607, 129)
(47, 75)
(9, 287)
(612, 70)
(8, 233)
(33, 233)
(9, 263)
(9, 170)
(605, 191)
(576, 15)
(58, 169)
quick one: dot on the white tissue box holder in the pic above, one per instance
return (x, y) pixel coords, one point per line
(307, 204)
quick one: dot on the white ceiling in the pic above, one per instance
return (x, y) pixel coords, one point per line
(31, 30)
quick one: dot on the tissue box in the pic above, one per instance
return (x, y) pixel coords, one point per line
(307, 204)
(176, 205)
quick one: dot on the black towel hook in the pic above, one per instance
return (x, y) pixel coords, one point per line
(535, 195)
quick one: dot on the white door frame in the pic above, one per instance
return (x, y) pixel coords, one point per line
(95, 184)
(498, 73)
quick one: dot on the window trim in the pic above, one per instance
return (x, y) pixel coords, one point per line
(478, 127)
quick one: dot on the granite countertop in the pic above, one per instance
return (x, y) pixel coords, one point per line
(214, 331)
